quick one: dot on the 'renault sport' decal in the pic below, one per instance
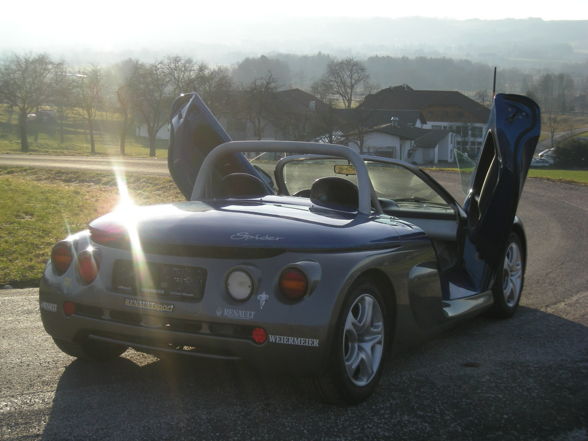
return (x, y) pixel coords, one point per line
(295, 341)
(152, 306)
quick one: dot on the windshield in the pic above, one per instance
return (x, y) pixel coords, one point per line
(299, 175)
(396, 187)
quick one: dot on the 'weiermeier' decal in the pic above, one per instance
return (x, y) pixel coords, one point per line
(295, 341)
(152, 306)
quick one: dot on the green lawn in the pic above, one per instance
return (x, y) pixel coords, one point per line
(77, 144)
(44, 137)
(39, 207)
(577, 176)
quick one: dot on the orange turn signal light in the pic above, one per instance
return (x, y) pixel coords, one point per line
(293, 283)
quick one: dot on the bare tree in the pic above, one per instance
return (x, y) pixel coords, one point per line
(25, 85)
(214, 86)
(90, 97)
(152, 94)
(326, 123)
(344, 78)
(62, 96)
(127, 71)
(257, 106)
(483, 97)
(181, 73)
(554, 93)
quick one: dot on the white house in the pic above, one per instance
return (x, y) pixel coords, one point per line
(443, 109)
(411, 144)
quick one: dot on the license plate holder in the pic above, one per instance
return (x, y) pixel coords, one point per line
(159, 279)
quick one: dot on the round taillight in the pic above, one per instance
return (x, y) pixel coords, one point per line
(87, 266)
(259, 335)
(293, 283)
(69, 308)
(239, 285)
(61, 257)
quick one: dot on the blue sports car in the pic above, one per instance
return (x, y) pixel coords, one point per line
(303, 257)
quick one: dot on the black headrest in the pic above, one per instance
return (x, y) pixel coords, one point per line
(242, 185)
(336, 193)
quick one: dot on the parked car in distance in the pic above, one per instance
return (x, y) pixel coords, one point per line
(541, 162)
(547, 153)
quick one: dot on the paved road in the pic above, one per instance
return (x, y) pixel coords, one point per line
(520, 379)
(132, 165)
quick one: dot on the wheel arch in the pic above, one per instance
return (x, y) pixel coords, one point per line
(383, 282)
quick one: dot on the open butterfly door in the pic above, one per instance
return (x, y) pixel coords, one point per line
(497, 183)
(195, 131)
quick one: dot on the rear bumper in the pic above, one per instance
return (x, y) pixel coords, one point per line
(291, 348)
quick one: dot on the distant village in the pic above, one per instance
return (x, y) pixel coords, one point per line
(417, 126)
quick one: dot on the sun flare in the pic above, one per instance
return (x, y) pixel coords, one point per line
(127, 210)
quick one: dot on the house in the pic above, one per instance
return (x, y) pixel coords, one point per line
(411, 144)
(367, 117)
(285, 114)
(443, 110)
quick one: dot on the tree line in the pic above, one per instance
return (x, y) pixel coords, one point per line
(142, 92)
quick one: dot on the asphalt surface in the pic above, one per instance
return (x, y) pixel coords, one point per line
(520, 379)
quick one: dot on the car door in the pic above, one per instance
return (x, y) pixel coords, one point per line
(497, 183)
(195, 131)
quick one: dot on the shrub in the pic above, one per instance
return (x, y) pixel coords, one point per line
(572, 153)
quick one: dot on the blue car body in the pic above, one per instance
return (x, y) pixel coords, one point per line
(369, 270)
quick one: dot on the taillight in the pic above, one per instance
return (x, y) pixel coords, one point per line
(259, 335)
(61, 257)
(293, 283)
(87, 266)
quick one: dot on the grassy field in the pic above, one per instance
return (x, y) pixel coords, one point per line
(44, 137)
(38, 208)
(575, 176)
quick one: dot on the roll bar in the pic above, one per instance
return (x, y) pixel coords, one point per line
(367, 195)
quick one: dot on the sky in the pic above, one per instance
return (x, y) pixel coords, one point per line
(104, 24)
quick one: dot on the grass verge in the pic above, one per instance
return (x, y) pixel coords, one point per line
(39, 207)
(574, 176)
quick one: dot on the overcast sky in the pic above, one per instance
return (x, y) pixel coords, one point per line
(108, 24)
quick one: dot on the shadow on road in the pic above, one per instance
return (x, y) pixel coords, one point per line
(519, 379)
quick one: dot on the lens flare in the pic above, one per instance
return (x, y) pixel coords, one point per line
(128, 212)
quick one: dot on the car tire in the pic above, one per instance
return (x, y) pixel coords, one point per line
(509, 282)
(357, 355)
(91, 350)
